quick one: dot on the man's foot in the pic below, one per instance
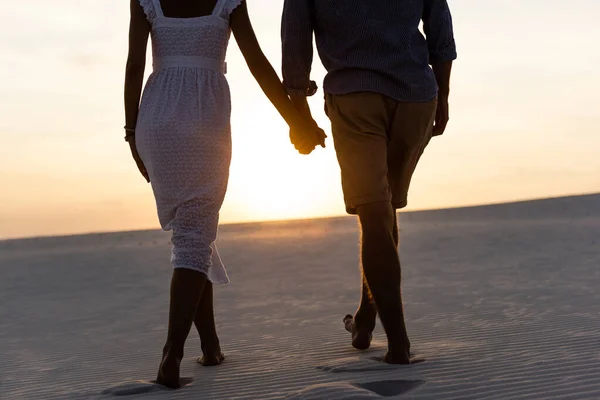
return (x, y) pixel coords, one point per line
(398, 357)
(168, 372)
(361, 338)
(211, 356)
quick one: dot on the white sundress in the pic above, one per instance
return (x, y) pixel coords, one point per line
(183, 132)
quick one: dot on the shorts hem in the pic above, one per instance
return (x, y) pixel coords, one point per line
(354, 202)
(399, 205)
(352, 210)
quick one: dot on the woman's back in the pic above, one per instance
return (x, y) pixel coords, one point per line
(190, 41)
(180, 137)
(187, 8)
(183, 129)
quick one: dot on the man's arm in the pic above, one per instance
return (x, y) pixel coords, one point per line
(297, 53)
(437, 22)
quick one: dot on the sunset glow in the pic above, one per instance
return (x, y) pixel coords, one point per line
(524, 119)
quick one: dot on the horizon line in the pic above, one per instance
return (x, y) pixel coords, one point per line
(340, 216)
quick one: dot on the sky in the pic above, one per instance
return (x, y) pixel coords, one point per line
(524, 122)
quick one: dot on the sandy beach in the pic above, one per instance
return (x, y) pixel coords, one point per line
(502, 302)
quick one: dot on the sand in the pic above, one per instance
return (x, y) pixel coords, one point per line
(502, 302)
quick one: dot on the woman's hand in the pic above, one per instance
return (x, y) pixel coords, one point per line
(304, 132)
(138, 160)
(306, 136)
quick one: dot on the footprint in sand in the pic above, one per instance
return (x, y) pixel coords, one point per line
(140, 387)
(354, 364)
(414, 359)
(391, 388)
(355, 391)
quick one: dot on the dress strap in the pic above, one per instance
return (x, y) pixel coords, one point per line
(219, 7)
(229, 6)
(158, 8)
(149, 10)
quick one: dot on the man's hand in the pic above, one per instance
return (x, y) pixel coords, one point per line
(306, 138)
(307, 135)
(442, 71)
(138, 160)
(441, 115)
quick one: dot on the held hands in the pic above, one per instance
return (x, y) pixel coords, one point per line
(307, 136)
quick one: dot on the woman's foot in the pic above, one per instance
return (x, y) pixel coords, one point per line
(211, 355)
(361, 337)
(168, 371)
(211, 360)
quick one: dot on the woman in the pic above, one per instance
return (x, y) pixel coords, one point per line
(181, 141)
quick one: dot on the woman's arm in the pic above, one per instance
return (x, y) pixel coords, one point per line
(269, 81)
(139, 31)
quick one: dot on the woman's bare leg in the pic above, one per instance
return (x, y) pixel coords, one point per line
(204, 320)
(186, 290)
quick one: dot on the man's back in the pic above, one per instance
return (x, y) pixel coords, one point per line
(384, 105)
(370, 46)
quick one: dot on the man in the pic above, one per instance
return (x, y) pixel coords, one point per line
(386, 94)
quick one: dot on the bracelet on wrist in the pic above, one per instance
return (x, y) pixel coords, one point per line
(129, 133)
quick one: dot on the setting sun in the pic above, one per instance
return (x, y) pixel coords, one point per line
(66, 169)
(270, 180)
(144, 145)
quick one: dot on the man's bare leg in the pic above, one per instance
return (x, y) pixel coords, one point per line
(362, 324)
(204, 320)
(381, 267)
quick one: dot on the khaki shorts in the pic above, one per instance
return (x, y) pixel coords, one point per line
(378, 142)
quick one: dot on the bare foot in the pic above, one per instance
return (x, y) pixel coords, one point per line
(398, 357)
(168, 372)
(361, 338)
(211, 360)
(211, 357)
